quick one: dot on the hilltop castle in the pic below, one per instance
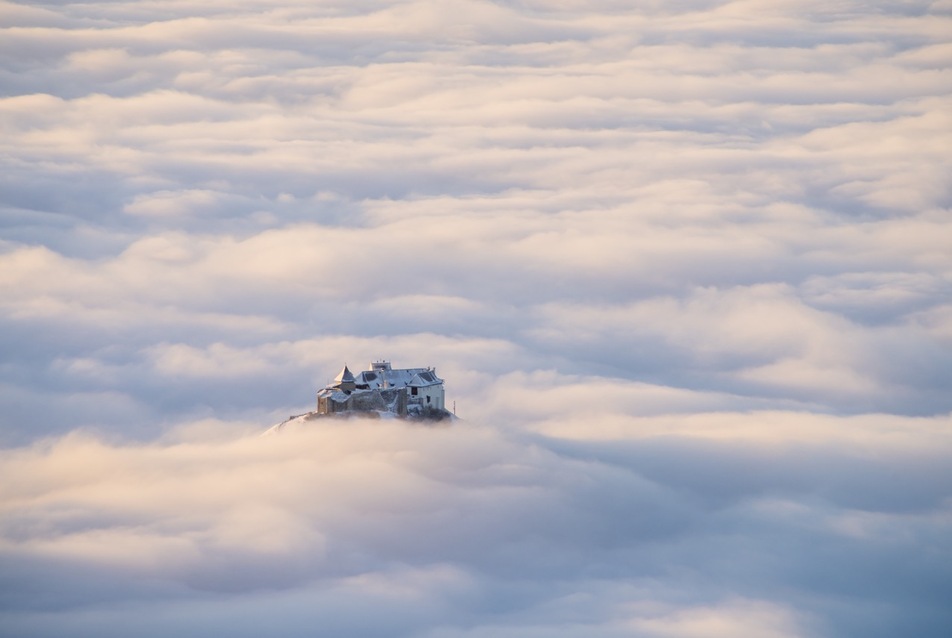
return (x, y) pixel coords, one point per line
(406, 392)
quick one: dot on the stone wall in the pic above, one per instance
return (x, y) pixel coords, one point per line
(385, 400)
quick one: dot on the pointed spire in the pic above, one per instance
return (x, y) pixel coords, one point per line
(345, 376)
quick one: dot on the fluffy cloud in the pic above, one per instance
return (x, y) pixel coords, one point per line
(684, 266)
(698, 524)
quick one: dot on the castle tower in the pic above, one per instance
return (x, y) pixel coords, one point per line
(345, 381)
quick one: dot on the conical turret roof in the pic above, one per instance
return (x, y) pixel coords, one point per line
(345, 376)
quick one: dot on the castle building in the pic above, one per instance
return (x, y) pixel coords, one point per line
(403, 392)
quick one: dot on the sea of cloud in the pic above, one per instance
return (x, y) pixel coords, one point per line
(686, 267)
(698, 524)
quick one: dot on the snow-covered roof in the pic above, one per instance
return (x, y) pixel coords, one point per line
(345, 376)
(425, 378)
(333, 394)
(381, 375)
(398, 378)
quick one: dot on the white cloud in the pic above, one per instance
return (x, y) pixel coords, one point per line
(448, 519)
(689, 259)
(164, 203)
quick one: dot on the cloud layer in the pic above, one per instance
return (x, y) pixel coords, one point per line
(701, 524)
(684, 265)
